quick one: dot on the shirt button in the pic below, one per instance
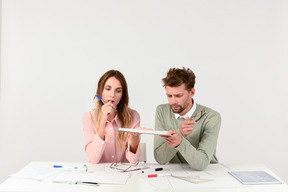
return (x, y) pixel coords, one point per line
(112, 142)
(97, 155)
(113, 156)
(100, 149)
(111, 128)
(102, 142)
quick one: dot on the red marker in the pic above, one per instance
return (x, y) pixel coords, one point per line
(159, 175)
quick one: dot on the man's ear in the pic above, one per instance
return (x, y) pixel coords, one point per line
(192, 92)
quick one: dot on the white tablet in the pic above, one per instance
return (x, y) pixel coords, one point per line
(143, 131)
(254, 177)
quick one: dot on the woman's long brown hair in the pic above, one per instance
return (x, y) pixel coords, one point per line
(123, 110)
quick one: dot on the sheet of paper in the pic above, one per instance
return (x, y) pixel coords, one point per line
(142, 131)
(37, 173)
(216, 176)
(114, 177)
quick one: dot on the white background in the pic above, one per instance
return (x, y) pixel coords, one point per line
(54, 51)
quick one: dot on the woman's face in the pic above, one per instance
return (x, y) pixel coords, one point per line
(112, 91)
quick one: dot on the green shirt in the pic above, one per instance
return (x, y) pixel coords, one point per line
(198, 149)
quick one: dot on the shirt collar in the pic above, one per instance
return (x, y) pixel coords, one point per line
(189, 113)
(116, 121)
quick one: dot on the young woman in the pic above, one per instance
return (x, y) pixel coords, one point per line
(103, 143)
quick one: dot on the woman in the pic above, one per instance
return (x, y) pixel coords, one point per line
(103, 143)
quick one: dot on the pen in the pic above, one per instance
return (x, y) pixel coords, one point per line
(86, 182)
(159, 175)
(103, 101)
(64, 167)
(152, 170)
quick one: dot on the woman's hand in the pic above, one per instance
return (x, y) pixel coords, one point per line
(106, 110)
(134, 139)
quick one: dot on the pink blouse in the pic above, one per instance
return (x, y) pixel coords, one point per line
(108, 150)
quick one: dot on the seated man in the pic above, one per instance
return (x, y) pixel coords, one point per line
(194, 127)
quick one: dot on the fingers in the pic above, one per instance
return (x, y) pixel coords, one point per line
(188, 122)
(172, 132)
(169, 133)
(134, 134)
(187, 127)
(107, 108)
(175, 139)
(143, 128)
(110, 105)
(186, 132)
(140, 128)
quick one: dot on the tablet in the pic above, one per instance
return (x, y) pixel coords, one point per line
(143, 131)
(254, 177)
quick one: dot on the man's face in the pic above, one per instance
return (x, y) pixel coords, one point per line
(180, 99)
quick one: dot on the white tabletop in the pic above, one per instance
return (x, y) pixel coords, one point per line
(217, 176)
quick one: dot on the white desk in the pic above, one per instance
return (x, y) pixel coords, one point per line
(222, 181)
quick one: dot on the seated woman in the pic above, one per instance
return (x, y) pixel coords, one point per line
(103, 143)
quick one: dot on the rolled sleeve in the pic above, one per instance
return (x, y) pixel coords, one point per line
(94, 145)
(133, 157)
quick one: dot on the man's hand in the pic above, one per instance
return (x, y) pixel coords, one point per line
(174, 140)
(187, 126)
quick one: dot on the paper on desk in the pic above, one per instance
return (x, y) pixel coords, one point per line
(216, 176)
(37, 173)
(96, 177)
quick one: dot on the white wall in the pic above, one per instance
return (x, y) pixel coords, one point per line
(54, 51)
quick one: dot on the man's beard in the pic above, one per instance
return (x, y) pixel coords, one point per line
(179, 110)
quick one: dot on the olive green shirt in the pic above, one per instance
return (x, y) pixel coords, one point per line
(198, 149)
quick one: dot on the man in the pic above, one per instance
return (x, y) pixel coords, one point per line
(193, 141)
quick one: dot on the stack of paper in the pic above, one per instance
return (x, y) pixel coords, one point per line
(95, 177)
(37, 173)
